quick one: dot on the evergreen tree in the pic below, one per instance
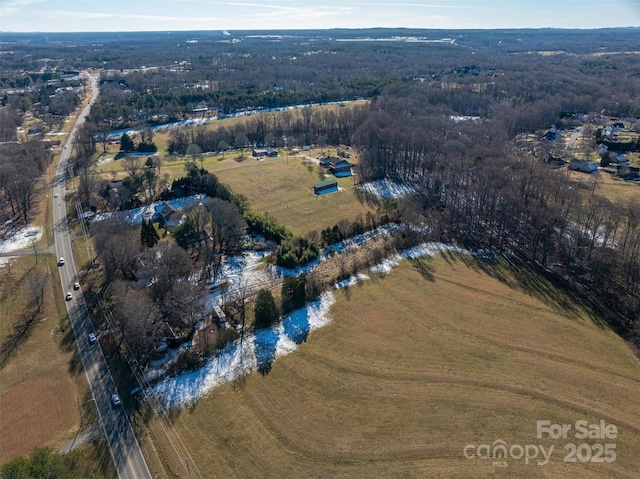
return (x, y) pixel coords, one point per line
(149, 237)
(126, 143)
(266, 311)
(294, 293)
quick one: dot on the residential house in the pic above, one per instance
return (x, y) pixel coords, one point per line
(583, 166)
(167, 214)
(260, 152)
(622, 160)
(602, 149)
(340, 168)
(324, 161)
(551, 134)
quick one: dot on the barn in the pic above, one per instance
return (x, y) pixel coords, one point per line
(324, 187)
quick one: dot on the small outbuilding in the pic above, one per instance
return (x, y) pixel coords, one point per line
(324, 187)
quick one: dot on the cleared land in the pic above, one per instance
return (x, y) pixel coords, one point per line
(415, 366)
(609, 186)
(284, 189)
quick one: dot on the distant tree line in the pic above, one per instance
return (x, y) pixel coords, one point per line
(277, 129)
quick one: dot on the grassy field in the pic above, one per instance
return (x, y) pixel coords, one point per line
(608, 186)
(440, 354)
(283, 188)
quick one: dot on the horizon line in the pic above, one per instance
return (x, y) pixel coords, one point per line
(319, 29)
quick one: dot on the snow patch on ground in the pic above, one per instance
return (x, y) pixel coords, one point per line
(243, 271)
(386, 189)
(386, 266)
(22, 239)
(351, 281)
(431, 249)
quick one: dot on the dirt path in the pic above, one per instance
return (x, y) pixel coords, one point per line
(88, 435)
(30, 252)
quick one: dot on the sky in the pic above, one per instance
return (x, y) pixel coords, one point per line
(174, 15)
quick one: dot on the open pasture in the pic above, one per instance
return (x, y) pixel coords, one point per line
(415, 366)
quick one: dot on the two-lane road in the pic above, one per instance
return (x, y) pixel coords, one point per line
(114, 421)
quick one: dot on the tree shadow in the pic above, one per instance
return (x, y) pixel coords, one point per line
(425, 269)
(533, 280)
(367, 198)
(68, 340)
(265, 342)
(102, 454)
(296, 326)
(18, 336)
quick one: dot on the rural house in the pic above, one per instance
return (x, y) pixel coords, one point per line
(167, 214)
(264, 152)
(340, 168)
(324, 161)
(583, 166)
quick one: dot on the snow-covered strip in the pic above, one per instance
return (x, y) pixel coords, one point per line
(387, 189)
(458, 118)
(386, 266)
(431, 249)
(255, 351)
(22, 239)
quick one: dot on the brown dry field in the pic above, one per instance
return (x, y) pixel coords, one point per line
(38, 393)
(440, 354)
